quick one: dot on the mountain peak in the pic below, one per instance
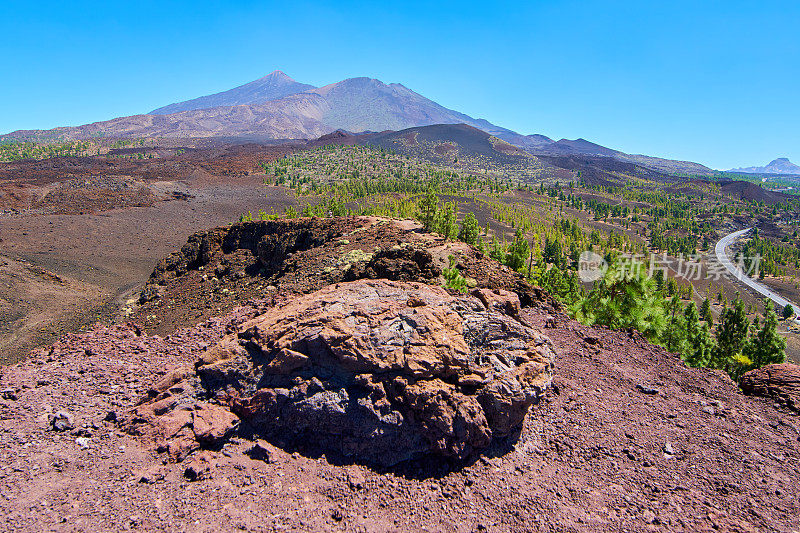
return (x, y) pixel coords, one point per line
(781, 165)
(356, 85)
(361, 81)
(274, 85)
(277, 75)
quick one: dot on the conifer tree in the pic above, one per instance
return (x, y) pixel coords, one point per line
(675, 332)
(497, 252)
(428, 208)
(445, 221)
(705, 312)
(469, 229)
(766, 347)
(553, 253)
(564, 287)
(624, 298)
(731, 336)
(700, 345)
(518, 252)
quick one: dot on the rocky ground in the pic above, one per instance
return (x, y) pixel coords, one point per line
(625, 438)
(61, 272)
(221, 267)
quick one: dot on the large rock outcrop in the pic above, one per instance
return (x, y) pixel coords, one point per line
(373, 371)
(780, 382)
(222, 267)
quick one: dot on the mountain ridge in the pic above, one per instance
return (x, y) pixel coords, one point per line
(278, 107)
(781, 165)
(274, 85)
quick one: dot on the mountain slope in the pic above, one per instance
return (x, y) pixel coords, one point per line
(782, 165)
(753, 192)
(255, 111)
(449, 141)
(271, 87)
(365, 104)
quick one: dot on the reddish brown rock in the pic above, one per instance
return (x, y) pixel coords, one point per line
(504, 301)
(373, 370)
(781, 382)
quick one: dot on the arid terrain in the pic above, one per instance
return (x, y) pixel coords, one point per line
(474, 270)
(625, 437)
(72, 259)
(80, 235)
(210, 269)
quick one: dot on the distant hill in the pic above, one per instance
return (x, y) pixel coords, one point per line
(753, 192)
(278, 107)
(271, 87)
(448, 141)
(782, 165)
(471, 148)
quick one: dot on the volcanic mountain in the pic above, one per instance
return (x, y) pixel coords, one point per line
(271, 87)
(782, 165)
(278, 107)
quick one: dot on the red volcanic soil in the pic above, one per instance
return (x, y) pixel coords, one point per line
(220, 160)
(627, 438)
(76, 241)
(442, 149)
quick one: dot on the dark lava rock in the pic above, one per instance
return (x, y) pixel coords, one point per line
(404, 264)
(62, 421)
(374, 371)
(780, 382)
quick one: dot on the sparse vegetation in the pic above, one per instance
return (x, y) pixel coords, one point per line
(541, 229)
(453, 278)
(15, 151)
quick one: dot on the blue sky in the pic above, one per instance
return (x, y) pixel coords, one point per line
(708, 81)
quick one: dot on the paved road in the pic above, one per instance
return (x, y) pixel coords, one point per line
(723, 258)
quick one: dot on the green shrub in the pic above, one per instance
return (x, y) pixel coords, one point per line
(453, 278)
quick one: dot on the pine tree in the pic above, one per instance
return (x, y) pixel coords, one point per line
(553, 253)
(497, 252)
(518, 252)
(674, 338)
(705, 312)
(788, 312)
(700, 345)
(766, 347)
(659, 279)
(453, 278)
(469, 229)
(428, 209)
(624, 298)
(445, 221)
(564, 287)
(731, 336)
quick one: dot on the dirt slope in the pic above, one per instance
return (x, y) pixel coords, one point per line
(627, 438)
(591, 457)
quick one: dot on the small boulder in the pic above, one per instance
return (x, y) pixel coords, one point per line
(645, 389)
(780, 382)
(261, 450)
(9, 394)
(62, 421)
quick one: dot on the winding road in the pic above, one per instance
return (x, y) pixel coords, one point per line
(723, 258)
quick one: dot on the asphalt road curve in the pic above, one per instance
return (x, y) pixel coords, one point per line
(737, 274)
